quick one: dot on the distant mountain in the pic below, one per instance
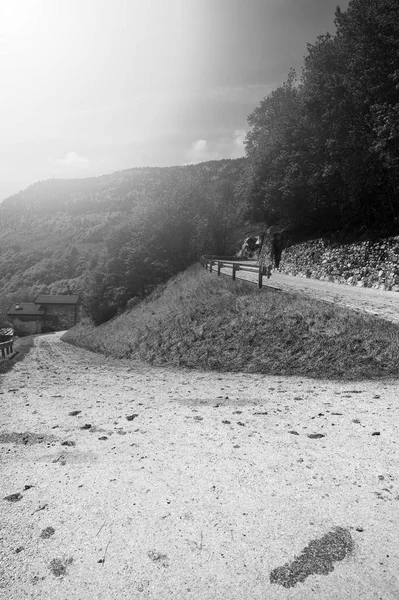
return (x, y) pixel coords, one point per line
(55, 232)
(121, 190)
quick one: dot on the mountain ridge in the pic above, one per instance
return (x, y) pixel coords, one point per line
(55, 233)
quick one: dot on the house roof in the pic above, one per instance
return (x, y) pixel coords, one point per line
(60, 299)
(25, 308)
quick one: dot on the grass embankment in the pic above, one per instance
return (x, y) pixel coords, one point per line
(202, 321)
(21, 347)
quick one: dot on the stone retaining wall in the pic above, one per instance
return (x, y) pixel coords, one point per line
(373, 264)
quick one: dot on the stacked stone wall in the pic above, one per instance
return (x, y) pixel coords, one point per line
(372, 264)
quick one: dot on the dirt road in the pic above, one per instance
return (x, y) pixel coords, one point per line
(380, 303)
(121, 480)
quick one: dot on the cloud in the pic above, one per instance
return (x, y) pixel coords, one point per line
(200, 146)
(200, 151)
(71, 159)
(239, 141)
(226, 147)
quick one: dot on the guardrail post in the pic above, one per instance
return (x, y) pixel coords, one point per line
(210, 266)
(267, 271)
(6, 348)
(218, 268)
(260, 277)
(234, 272)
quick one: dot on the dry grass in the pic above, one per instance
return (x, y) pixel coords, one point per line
(200, 321)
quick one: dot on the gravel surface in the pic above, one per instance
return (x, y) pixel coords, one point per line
(120, 480)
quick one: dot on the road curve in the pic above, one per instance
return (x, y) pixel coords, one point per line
(380, 303)
(120, 480)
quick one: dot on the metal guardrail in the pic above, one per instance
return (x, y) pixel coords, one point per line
(7, 333)
(234, 265)
(6, 348)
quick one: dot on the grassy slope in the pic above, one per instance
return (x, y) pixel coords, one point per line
(200, 321)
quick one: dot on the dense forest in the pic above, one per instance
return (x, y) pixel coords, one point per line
(323, 152)
(322, 155)
(114, 237)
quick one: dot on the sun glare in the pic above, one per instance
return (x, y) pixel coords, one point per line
(18, 20)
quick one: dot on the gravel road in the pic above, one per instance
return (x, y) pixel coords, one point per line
(380, 303)
(120, 480)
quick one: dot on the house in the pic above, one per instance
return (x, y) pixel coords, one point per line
(60, 312)
(47, 313)
(26, 317)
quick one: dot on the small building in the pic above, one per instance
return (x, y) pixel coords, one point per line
(26, 317)
(47, 313)
(60, 312)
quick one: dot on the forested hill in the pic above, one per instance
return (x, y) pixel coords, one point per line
(122, 190)
(116, 234)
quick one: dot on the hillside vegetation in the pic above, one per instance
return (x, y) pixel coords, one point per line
(201, 321)
(115, 236)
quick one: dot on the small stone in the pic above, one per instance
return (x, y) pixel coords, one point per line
(315, 436)
(376, 433)
(48, 532)
(74, 413)
(13, 497)
(68, 443)
(59, 566)
(131, 417)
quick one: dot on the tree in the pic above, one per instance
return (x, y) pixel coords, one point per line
(324, 153)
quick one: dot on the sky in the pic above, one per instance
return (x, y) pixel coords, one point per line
(88, 87)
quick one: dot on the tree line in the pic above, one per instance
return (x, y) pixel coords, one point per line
(189, 216)
(115, 237)
(323, 152)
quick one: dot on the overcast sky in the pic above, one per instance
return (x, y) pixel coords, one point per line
(93, 86)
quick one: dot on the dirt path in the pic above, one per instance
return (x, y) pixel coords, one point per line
(162, 483)
(382, 304)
